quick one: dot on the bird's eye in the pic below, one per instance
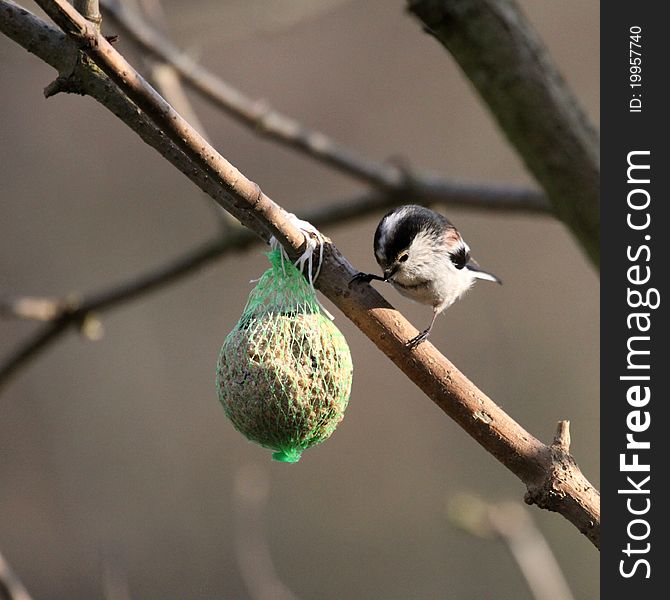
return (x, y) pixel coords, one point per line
(460, 258)
(403, 258)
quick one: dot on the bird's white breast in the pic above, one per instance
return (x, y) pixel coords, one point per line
(431, 278)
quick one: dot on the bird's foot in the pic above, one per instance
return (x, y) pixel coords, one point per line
(415, 341)
(364, 278)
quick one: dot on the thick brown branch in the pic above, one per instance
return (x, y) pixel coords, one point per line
(553, 479)
(562, 490)
(501, 54)
(264, 120)
(528, 458)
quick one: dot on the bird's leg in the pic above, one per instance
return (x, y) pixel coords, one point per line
(415, 341)
(366, 278)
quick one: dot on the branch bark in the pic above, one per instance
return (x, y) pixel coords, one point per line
(511, 69)
(553, 481)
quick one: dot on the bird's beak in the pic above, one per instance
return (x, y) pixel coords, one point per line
(388, 273)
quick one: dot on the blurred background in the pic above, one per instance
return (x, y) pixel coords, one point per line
(119, 473)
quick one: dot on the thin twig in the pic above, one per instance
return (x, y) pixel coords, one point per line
(510, 523)
(72, 313)
(30, 308)
(49, 44)
(553, 479)
(31, 347)
(162, 74)
(254, 113)
(114, 580)
(512, 70)
(89, 9)
(252, 550)
(264, 120)
(11, 587)
(168, 82)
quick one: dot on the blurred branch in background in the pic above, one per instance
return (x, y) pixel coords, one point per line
(166, 80)
(263, 120)
(161, 73)
(73, 312)
(252, 550)
(10, 586)
(65, 314)
(427, 189)
(510, 523)
(115, 585)
(552, 478)
(89, 9)
(512, 70)
(76, 311)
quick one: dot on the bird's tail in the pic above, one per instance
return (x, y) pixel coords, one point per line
(480, 274)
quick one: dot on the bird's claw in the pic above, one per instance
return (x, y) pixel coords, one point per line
(361, 278)
(415, 341)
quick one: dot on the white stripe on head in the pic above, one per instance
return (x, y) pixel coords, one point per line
(388, 226)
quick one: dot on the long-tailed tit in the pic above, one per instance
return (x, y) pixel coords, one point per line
(425, 258)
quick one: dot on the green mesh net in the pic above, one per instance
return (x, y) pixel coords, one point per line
(284, 372)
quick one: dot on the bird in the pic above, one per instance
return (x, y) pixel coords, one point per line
(425, 258)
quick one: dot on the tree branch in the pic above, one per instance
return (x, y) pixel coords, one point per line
(50, 45)
(511, 69)
(532, 461)
(256, 114)
(69, 313)
(264, 120)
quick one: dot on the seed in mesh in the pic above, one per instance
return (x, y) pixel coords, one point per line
(284, 380)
